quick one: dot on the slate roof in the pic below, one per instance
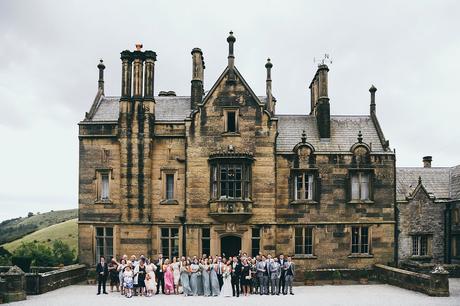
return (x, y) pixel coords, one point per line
(436, 181)
(455, 182)
(344, 133)
(167, 108)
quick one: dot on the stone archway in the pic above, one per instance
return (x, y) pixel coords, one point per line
(230, 245)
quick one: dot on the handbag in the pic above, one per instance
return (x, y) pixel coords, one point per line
(248, 276)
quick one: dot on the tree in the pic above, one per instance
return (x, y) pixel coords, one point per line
(62, 253)
(30, 214)
(41, 254)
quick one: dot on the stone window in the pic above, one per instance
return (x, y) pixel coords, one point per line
(230, 181)
(456, 246)
(206, 241)
(420, 245)
(104, 243)
(231, 120)
(255, 241)
(360, 240)
(170, 241)
(103, 177)
(303, 186)
(360, 186)
(455, 216)
(168, 177)
(304, 240)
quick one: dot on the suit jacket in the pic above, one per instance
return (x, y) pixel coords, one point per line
(236, 271)
(286, 267)
(261, 268)
(159, 264)
(104, 269)
(275, 270)
(282, 262)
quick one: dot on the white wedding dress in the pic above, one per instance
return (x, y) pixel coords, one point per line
(227, 286)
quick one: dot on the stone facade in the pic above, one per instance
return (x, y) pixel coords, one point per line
(428, 214)
(224, 172)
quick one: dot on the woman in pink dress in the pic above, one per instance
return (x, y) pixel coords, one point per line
(169, 277)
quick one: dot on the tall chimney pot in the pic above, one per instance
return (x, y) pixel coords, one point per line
(427, 161)
(101, 68)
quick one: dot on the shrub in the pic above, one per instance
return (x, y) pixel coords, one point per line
(5, 260)
(309, 275)
(41, 254)
(336, 275)
(62, 253)
(363, 274)
(22, 262)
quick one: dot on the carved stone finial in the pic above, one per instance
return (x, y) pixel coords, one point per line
(231, 148)
(304, 137)
(419, 179)
(360, 137)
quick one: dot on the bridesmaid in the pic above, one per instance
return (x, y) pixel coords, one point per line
(176, 273)
(169, 277)
(184, 278)
(215, 288)
(200, 279)
(194, 270)
(205, 277)
(245, 277)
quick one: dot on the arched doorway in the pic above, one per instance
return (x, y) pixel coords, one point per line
(230, 245)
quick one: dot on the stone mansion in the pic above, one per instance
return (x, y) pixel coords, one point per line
(220, 171)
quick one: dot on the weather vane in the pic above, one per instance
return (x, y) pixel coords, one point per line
(322, 60)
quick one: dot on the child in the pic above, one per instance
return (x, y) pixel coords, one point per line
(128, 280)
(150, 284)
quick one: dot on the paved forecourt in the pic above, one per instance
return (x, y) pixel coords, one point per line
(316, 295)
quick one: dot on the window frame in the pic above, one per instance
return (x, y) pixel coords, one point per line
(99, 185)
(307, 233)
(255, 239)
(236, 121)
(105, 238)
(355, 172)
(420, 245)
(359, 244)
(164, 186)
(303, 191)
(207, 240)
(216, 181)
(167, 251)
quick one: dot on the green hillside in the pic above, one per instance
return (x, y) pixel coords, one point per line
(14, 229)
(66, 231)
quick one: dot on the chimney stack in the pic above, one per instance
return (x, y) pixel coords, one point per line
(372, 90)
(320, 106)
(270, 101)
(150, 58)
(197, 77)
(126, 74)
(100, 83)
(427, 161)
(138, 71)
(231, 57)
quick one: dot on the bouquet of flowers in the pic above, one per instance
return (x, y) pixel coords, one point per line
(226, 274)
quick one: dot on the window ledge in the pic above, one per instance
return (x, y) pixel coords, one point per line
(305, 256)
(357, 255)
(300, 202)
(169, 202)
(231, 134)
(361, 202)
(421, 257)
(224, 200)
(107, 201)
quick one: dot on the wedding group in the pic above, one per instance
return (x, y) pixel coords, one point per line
(197, 276)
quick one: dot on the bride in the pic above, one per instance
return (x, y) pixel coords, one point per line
(227, 286)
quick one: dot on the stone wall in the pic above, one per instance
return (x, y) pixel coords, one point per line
(421, 215)
(38, 283)
(435, 284)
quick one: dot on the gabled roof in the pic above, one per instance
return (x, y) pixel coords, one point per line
(436, 181)
(220, 79)
(344, 133)
(167, 108)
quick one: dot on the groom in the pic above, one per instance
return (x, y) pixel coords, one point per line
(236, 275)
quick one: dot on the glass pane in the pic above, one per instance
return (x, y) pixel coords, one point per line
(255, 232)
(364, 240)
(105, 186)
(309, 240)
(423, 245)
(174, 247)
(174, 232)
(238, 189)
(354, 187)
(414, 245)
(109, 231)
(169, 186)
(99, 231)
(223, 173)
(299, 186)
(231, 189)
(355, 240)
(165, 247)
(205, 233)
(165, 232)
(309, 185)
(231, 122)
(238, 173)
(364, 186)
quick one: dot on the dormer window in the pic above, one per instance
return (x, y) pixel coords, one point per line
(360, 186)
(303, 186)
(231, 120)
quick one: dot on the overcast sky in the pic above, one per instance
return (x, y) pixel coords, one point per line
(48, 77)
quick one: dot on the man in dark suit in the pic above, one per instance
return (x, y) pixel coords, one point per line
(236, 275)
(102, 271)
(160, 274)
(283, 273)
(220, 266)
